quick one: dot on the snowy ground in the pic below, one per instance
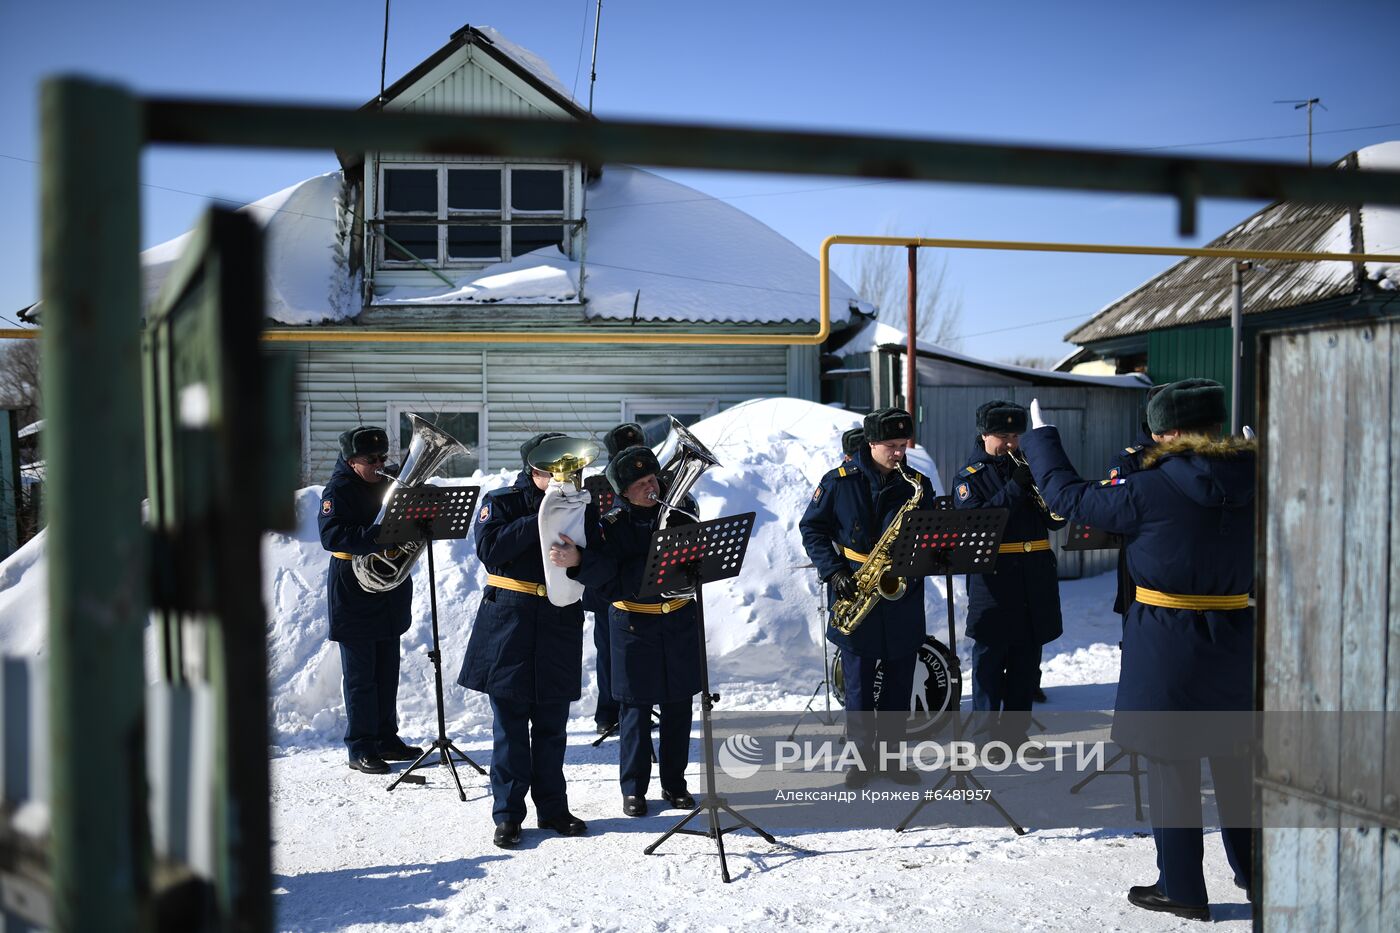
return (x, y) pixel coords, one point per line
(350, 856)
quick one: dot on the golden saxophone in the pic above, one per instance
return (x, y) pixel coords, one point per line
(1017, 459)
(873, 580)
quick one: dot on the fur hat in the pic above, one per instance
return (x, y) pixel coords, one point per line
(1186, 405)
(623, 436)
(630, 465)
(363, 441)
(529, 446)
(1000, 416)
(888, 424)
(852, 440)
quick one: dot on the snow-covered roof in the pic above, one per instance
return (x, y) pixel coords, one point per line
(879, 334)
(1198, 289)
(660, 251)
(656, 248)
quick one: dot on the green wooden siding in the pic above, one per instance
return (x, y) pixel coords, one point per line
(1190, 353)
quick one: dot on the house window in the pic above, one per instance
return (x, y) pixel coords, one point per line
(462, 422)
(473, 214)
(651, 414)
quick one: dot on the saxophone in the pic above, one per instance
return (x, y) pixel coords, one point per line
(873, 580)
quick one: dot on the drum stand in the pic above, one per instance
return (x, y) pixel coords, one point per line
(825, 718)
(968, 545)
(713, 550)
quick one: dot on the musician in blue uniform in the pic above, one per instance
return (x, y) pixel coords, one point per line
(367, 626)
(849, 511)
(596, 601)
(1187, 518)
(527, 655)
(1014, 611)
(655, 643)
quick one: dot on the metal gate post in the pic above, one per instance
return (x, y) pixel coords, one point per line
(97, 568)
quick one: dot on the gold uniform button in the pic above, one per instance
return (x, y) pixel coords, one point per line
(1026, 547)
(540, 590)
(665, 608)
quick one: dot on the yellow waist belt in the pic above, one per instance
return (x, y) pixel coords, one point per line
(1180, 601)
(1023, 547)
(518, 586)
(654, 609)
(342, 555)
(855, 555)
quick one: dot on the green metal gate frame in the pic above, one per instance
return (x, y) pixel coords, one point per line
(99, 590)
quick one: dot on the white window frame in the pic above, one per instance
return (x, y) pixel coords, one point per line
(687, 405)
(394, 409)
(505, 170)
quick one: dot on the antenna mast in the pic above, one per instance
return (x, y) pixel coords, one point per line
(1310, 103)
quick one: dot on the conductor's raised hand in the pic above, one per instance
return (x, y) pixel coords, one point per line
(565, 553)
(1037, 419)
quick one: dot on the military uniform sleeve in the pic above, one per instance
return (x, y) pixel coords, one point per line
(1106, 504)
(597, 569)
(339, 532)
(820, 529)
(973, 491)
(500, 539)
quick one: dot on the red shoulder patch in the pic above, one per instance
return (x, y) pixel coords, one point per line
(327, 506)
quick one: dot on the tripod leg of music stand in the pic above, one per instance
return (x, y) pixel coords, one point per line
(674, 829)
(465, 758)
(806, 711)
(1136, 771)
(1107, 764)
(719, 841)
(991, 799)
(748, 823)
(453, 766)
(417, 762)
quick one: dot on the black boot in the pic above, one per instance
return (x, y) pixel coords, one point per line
(507, 835)
(1150, 897)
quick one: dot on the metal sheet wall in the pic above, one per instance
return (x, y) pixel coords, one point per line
(1094, 422)
(521, 389)
(1329, 635)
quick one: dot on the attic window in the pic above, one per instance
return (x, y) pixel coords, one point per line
(469, 215)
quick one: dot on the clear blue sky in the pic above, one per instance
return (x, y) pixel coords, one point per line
(1107, 74)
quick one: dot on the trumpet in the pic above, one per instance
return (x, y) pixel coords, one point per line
(1019, 460)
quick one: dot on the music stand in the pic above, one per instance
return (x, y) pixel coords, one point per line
(424, 514)
(1082, 537)
(946, 541)
(688, 557)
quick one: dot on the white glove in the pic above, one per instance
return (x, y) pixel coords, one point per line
(1038, 420)
(1248, 433)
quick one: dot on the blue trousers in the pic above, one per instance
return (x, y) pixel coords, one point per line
(528, 755)
(369, 677)
(606, 712)
(896, 684)
(1174, 794)
(1003, 679)
(634, 746)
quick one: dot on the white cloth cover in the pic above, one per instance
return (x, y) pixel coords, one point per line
(561, 513)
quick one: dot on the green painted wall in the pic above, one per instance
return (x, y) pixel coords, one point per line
(1190, 352)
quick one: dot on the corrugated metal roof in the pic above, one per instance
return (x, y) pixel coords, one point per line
(1198, 289)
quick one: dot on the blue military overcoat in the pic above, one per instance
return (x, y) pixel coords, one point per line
(655, 656)
(1019, 603)
(850, 508)
(1187, 519)
(522, 646)
(349, 507)
(1126, 461)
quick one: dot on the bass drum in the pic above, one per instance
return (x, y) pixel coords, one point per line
(937, 689)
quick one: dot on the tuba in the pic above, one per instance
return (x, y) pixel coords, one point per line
(1019, 460)
(429, 449)
(873, 580)
(683, 459)
(562, 511)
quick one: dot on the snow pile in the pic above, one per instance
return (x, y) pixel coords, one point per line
(764, 628)
(1380, 225)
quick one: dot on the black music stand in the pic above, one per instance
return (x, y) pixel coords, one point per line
(1082, 537)
(826, 718)
(946, 541)
(426, 514)
(685, 558)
